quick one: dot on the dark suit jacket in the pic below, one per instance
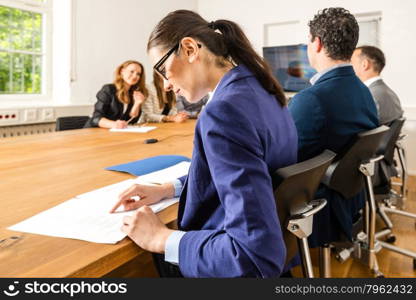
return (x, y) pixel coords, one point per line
(389, 108)
(227, 205)
(108, 106)
(327, 116)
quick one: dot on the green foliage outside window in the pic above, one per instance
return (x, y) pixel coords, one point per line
(20, 51)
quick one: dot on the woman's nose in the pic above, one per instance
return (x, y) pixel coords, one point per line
(167, 85)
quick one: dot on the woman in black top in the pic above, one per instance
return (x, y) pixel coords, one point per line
(119, 103)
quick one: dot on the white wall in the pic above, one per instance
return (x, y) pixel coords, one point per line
(108, 32)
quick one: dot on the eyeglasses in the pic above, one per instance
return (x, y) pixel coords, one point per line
(159, 67)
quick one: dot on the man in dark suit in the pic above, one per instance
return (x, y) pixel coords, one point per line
(368, 62)
(332, 111)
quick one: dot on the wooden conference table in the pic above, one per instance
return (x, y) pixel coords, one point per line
(40, 171)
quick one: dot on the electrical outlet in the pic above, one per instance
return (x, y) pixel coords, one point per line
(48, 114)
(9, 117)
(31, 115)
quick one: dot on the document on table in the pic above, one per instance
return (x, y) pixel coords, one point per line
(86, 217)
(165, 175)
(140, 129)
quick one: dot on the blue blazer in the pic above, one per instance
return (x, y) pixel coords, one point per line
(227, 206)
(327, 116)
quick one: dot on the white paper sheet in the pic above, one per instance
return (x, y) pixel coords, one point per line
(86, 217)
(140, 129)
(165, 175)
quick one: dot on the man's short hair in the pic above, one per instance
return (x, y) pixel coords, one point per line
(375, 55)
(338, 30)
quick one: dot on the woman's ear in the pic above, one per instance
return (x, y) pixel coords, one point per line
(190, 49)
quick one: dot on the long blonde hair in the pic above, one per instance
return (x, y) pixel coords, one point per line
(170, 95)
(123, 94)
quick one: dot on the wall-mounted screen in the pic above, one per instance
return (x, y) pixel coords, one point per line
(290, 66)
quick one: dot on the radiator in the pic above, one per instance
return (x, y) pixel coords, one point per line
(21, 130)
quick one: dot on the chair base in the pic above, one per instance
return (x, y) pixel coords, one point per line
(325, 261)
(398, 249)
(383, 209)
(360, 251)
(365, 246)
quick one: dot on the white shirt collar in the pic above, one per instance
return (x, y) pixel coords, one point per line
(211, 94)
(368, 82)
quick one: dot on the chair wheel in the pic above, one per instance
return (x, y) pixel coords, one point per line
(391, 239)
(378, 274)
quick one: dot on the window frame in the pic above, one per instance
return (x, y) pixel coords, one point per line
(45, 8)
(376, 18)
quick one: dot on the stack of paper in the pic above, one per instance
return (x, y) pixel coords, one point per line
(86, 217)
(141, 129)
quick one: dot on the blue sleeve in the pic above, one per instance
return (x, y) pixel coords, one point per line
(177, 185)
(309, 119)
(182, 179)
(250, 241)
(172, 247)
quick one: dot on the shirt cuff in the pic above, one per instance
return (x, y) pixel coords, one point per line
(172, 247)
(177, 185)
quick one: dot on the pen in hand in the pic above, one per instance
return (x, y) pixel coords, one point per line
(130, 120)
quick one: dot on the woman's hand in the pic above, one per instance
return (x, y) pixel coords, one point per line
(138, 99)
(120, 124)
(146, 230)
(178, 118)
(148, 194)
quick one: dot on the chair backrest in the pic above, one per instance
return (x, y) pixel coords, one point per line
(385, 169)
(389, 141)
(294, 188)
(343, 174)
(73, 122)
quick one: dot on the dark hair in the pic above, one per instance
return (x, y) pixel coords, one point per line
(225, 39)
(375, 55)
(338, 30)
(161, 93)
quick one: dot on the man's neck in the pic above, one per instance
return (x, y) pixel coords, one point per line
(368, 75)
(327, 63)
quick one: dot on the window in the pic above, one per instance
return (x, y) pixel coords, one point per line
(23, 47)
(369, 28)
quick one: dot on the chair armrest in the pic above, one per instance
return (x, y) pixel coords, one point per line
(315, 206)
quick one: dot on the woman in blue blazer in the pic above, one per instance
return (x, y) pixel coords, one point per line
(228, 225)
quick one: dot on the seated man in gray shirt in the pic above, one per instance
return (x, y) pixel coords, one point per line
(192, 109)
(368, 62)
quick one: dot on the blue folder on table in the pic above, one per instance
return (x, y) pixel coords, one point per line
(148, 165)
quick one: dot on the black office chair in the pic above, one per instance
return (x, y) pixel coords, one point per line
(348, 175)
(295, 187)
(388, 166)
(69, 123)
(387, 199)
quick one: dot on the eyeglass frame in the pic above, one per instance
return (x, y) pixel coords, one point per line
(165, 57)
